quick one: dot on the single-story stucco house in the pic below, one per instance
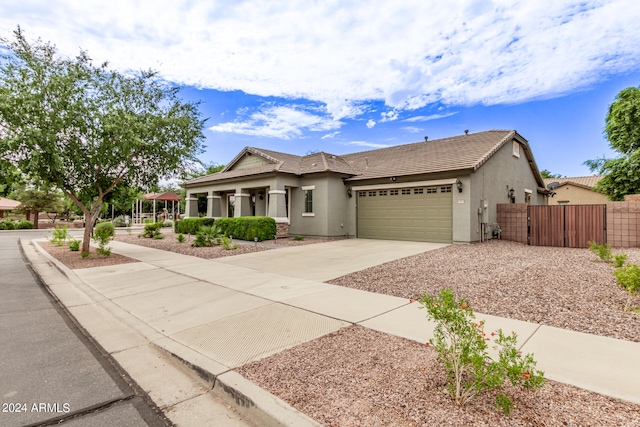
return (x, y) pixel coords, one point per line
(445, 190)
(576, 191)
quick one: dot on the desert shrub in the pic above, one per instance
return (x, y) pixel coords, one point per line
(192, 225)
(158, 236)
(461, 345)
(628, 277)
(152, 230)
(102, 233)
(74, 245)
(602, 251)
(60, 235)
(299, 238)
(84, 254)
(180, 238)
(119, 221)
(7, 225)
(248, 227)
(24, 225)
(619, 260)
(208, 235)
(226, 243)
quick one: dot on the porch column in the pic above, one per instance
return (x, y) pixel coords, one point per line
(191, 207)
(277, 205)
(214, 204)
(242, 204)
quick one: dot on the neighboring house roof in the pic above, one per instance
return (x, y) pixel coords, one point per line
(464, 152)
(167, 195)
(8, 204)
(587, 182)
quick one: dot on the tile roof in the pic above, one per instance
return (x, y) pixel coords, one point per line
(440, 155)
(464, 152)
(581, 181)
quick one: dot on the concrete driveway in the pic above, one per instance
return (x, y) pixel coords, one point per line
(325, 261)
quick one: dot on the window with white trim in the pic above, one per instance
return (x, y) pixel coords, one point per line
(406, 191)
(372, 193)
(446, 189)
(362, 194)
(393, 192)
(432, 190)
(516, 149)
(383, 192)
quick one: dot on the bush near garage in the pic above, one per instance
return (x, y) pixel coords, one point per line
(248, 227)
(191, 225)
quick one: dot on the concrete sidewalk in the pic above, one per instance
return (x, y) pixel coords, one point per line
(216, 315)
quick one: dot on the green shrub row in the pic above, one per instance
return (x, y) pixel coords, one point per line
(9, 224)
(191, 225)
(248, 227)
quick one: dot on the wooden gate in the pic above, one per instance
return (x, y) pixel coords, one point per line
(569, 226)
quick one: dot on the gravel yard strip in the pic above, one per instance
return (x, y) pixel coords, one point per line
(360, 377)
(562, 287)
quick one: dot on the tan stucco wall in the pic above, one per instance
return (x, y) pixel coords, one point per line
(575, 195)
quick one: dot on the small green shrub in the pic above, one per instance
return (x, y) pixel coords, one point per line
(602, 251)
(7, 225)
(192, 225)
(74, 245)
(180, 238)
(119, 221)
(628, 277)
(102, 233)
(619, 260)
(152, 230)
(148, 221)
(60, 235)
(158, 236)
(84, 254)
(299, 238)
(226, 244)
(24, 225)
(461, 345)
(207, 236)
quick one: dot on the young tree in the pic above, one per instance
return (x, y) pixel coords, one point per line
(545, 173)
(622, 174)
(85, 129)
(38, 199)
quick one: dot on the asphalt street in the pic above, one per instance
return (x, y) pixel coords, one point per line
(51, 372)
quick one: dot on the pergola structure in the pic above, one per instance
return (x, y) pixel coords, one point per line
(167, 196)
(7, 205)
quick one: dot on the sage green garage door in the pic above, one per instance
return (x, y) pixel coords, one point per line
(417, 214)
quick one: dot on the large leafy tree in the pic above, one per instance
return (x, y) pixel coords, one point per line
(85, 128)
(621, 175)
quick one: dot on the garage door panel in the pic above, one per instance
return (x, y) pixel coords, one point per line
(422, 215)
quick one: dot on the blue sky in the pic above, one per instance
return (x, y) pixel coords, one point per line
(345, 76)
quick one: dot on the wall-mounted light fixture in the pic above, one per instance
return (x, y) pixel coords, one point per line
(261, 195)
(511, 194)
(349, 192)
(393, 178)
(459, 185)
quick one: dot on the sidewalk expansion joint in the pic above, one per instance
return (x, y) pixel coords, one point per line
(380, 314)
(530, 336)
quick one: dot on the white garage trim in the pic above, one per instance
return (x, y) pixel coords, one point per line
(432, 183)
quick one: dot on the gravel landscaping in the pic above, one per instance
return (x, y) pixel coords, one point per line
(562, 287)
(361, 377)
(74, 260)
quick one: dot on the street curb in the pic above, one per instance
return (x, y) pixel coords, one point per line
(250, 400)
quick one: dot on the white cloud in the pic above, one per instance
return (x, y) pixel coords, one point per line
(431, 117)
(389, 116)
(277, 122)
(371, 123)
(412, 129)
(368, 144)
(330, 135)
(463, 52)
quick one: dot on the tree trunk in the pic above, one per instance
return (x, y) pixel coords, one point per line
(36, 219)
